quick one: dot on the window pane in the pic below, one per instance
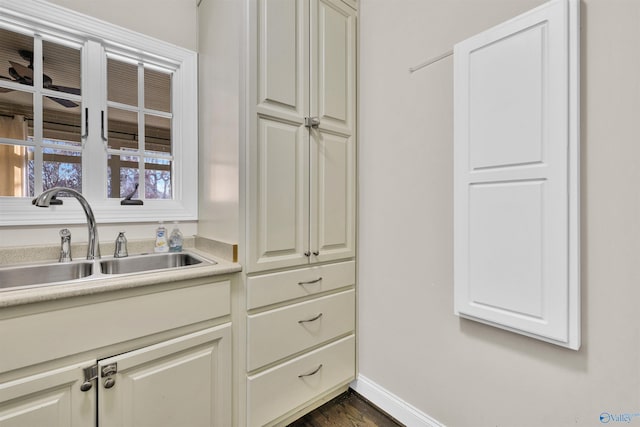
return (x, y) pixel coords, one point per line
(157, 90)
(157, 132)
(157, 178)
(123, 175)
(61, 167)
(16, 111)
(16, 57)
(123, 129)
(14, 171)
(61, 66)
(63, 125)
(122, 82)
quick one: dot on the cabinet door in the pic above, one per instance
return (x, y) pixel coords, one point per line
(50, 399)
(181, 382)
(332, 153)
(516, 175)
(278, 151)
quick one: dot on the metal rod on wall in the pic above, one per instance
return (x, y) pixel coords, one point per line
(431, 61)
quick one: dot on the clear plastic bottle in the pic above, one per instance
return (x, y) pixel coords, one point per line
(176, 239)
(161, 239)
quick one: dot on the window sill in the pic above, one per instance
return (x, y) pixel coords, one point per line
(15, 212)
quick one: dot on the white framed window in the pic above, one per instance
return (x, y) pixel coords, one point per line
(98, 108)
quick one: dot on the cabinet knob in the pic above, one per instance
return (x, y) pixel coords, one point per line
(90, 374)
(307, 253)
(107, 373)
(316, 253)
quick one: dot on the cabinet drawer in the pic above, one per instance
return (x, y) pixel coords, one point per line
(279, 390)
(279, 333)
(277, 287)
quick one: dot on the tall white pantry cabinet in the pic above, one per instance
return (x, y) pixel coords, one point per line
(294, 311)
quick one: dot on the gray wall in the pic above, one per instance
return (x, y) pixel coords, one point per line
(457, 371)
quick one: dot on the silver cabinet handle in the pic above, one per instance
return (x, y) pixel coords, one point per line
(311, 122)
(90, 374)
(310, 282)
(311, 373)
(313, 319)
(107, 373)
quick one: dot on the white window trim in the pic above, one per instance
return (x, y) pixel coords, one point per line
(58, 22)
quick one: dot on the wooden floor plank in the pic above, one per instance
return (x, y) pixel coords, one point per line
(348, 410)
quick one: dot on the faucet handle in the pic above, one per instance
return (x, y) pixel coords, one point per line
(65, 245)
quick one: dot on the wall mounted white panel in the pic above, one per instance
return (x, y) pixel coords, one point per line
(516, 175)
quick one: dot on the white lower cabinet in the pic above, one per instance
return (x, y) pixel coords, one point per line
(183, 381)
(300, 340)
(158, 357)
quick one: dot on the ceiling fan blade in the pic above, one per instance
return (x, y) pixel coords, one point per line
(63, 102)
(22, 71)
(65, 89)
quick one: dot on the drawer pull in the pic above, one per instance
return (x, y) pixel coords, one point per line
(311, 373)
(313, 319)
(310, 282)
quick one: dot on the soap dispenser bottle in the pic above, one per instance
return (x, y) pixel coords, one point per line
(161, 239)
(175, 240)
(121, 246)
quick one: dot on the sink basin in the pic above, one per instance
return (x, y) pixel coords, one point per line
(43, 274)
(22, 276)
(150, 262)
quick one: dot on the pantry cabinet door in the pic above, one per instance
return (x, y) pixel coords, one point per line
(333, 149)
(52, 399)
(516, 175)
(278, 172)
(181, 382)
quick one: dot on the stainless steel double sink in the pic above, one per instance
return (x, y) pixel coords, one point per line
(45, 274)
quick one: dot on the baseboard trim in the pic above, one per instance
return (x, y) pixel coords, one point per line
(392, 404)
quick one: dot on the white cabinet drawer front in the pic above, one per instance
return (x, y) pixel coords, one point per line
(277, 391)
(85, 327)
(277, 287)
(279, 333)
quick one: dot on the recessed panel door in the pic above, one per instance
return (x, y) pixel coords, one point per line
(181, 382)
(332, 155)
(53, 398)
(516, 175)
(278, 165)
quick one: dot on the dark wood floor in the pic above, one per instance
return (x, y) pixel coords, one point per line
(349, 410)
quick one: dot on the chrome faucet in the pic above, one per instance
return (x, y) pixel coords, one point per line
(44, 200)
